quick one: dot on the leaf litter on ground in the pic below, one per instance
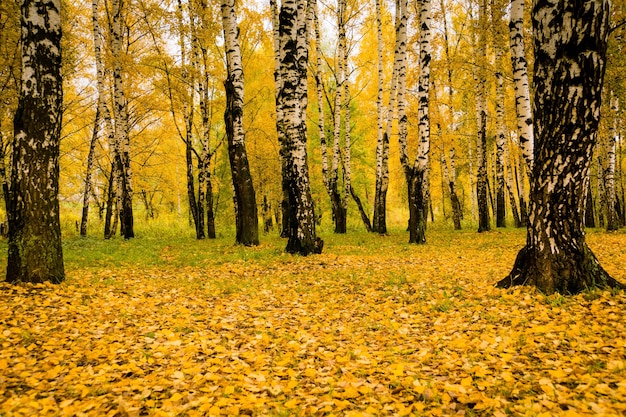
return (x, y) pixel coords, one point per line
(409, 330)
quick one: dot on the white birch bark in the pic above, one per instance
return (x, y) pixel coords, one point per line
(401, 61)
(35, 253)
(382, 167)
(292, 100)
(519, 65)
(120, 113)
(612, 219)
(321, 126)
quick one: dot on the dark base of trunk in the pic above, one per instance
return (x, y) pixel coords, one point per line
(296, 246)
(341, 221)
(83, 221)
(418, 211)
(379, 219)
(565, 274)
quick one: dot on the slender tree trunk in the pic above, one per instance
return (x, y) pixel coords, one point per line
(418, 183)
(556, 257)
(590, 220)
(89, 173)
(120, 112)
(601, 193)
(449, 178)
(280, 115)
(520, 81)
(498, 34)
(35, 253)
(612, 219)
(482, 196)
(457, 211)
(247, 220)
(379, 219)
(509, 186)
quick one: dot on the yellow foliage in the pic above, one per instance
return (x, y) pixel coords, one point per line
(417, 331)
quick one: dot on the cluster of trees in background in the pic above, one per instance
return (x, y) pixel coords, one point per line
(420, 107)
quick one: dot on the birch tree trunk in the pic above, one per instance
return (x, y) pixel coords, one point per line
(482, 196)
(292, 102)
(418, 183)
(612, 219)
(509, 187)
(520, 81)
(247, 221)
(570, 44)
(280, 115)
(35, 253)
(120, 112)
(379, 218)
(337, 197)
(89, 171)
(498, 33)
(457, 212)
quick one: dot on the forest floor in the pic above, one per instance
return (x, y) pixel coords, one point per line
(373, 326)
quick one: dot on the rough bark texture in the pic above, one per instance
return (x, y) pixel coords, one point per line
(379, 218)
(612, 218)
(418, 177)
(570, 45)
(520, 81)
(120, 112)
(482, 196)
(35, 252)
(247, 221)
(291, 125)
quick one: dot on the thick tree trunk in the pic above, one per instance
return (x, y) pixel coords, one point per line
(35, 253)
(556, 257)
(292, 102)
(247, 221)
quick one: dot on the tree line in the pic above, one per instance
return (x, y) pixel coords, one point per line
(175, 52)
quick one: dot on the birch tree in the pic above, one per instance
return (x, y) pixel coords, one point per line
(379, 222)
(417, 174)
(292, 100)
(519, 65)
(481, 119)
(394, 100)
(34, 251)
(612, 219)
(570, 55)
(498, 34)
(247, 227)
(120, 113)
(457, 212)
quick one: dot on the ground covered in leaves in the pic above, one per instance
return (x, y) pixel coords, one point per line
(373, 327)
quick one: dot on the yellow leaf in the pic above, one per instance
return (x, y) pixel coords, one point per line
(310, 372)
(229, 390)
(291, 404)
(176, 397)
(350, 392)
